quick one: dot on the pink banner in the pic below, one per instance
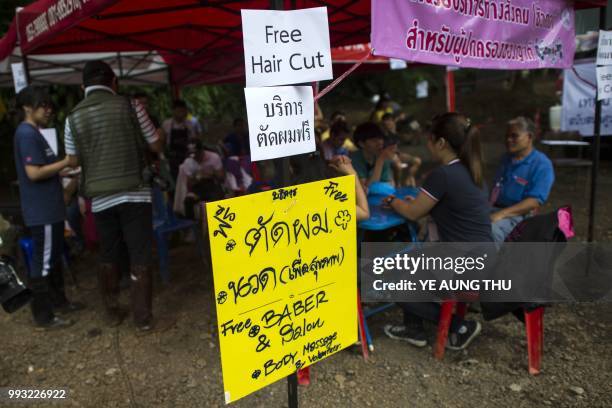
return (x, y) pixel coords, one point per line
(491, 34)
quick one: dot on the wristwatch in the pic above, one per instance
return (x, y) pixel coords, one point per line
(389, 200)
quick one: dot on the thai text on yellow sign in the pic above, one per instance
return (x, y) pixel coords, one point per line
(285, 274)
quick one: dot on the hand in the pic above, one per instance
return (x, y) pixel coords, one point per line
(205, 173)
(386, 202)
(65, 172)
(66, 161)
(342, 164)
(388, 153)
(497, 216)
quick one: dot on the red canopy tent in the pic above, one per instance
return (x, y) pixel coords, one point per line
(200, 40)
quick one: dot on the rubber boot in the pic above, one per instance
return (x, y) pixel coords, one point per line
(41, 304)
(108, 280)
(141, 289)
(56, 286)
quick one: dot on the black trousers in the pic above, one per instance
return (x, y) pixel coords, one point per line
(46, 277)
(415, 313)
(129, 224)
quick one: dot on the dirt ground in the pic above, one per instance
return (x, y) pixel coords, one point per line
(178, 365)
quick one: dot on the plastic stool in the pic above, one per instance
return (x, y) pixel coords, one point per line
(534, 326)
(26, 246)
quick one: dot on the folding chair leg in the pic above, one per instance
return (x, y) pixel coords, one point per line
(446, 314)
(535, 338)
(362, 329)
(368, 335)
(303, 376)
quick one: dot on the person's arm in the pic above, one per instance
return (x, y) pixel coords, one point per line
(70, 146)
(433, 190)
(521, 208)
(34, 159)
(162, 136)
(70, 189)
(535, 194)
(386, 154)
(411, 209)
(342, 164)
(149, 132)
(43, 172)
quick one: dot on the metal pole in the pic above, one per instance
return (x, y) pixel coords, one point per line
(596, 148)
(292, 390)
(24, 57)
(26, 68)
(119, 63)
(282, 170)
(281, 166)
(450, 90)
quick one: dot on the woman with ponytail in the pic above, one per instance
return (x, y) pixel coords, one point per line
(454, 197)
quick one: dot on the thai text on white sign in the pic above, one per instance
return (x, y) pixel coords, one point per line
(578, 113)
(604, 49)
(281, 121)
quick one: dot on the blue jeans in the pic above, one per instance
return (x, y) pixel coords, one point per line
(502, 228)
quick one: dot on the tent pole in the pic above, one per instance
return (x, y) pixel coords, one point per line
(26, 68)
(596, 148)
(450, 90)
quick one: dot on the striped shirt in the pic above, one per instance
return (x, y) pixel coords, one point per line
(142, 195)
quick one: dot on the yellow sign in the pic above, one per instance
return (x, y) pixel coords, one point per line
(285, 272)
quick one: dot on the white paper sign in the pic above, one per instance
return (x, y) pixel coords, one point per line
(578, 113)
(50, 136)
(422, 89)
(604, 82)
(395, 63)
(281, 121)
(604, 49)
(19, 76)
(286, 47)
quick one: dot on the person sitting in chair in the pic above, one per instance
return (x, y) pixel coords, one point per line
(200, 178)
(373, 160)
(523, 182)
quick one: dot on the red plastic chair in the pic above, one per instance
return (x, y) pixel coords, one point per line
(534, 327)
(446, 314)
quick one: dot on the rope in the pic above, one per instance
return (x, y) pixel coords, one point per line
(336, 81)
(583, 80)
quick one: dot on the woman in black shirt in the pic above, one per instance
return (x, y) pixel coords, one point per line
(454, 196)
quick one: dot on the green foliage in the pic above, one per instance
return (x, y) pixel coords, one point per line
(216, 102)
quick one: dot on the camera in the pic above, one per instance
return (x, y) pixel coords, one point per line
(13, 293)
